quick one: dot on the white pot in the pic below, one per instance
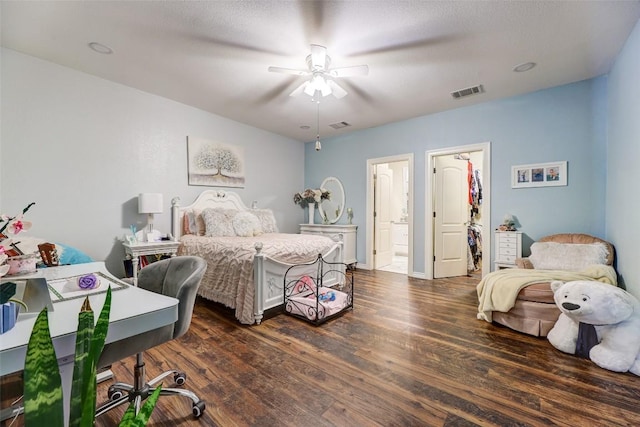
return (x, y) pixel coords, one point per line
(22, 264)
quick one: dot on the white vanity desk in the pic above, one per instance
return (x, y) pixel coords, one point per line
(133, 311)
(331, 210)
(348, 232)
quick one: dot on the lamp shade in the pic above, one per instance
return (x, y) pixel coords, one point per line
(150, 203)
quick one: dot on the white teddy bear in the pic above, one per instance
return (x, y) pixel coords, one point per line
(615, 314)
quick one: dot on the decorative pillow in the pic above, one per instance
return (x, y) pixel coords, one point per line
(193, 223)
(267, 220)
(196, 216)
(246, 224)
(71, 255)
(567, 256)
(186, 226)
(66, 254)
(218, 222)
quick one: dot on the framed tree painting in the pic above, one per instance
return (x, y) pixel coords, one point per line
(215, 164)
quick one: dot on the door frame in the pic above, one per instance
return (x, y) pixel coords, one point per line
(430, 156)
(369, 244)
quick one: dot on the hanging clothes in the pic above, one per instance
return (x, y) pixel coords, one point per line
(474, 236)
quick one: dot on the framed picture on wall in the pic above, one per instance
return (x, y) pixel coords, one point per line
(213, 163)
(539, 175)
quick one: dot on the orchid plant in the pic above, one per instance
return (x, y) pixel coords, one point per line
(11, 225)
(310, 196)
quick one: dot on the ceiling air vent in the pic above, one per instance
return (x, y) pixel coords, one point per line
(467, 91)
(339, 125)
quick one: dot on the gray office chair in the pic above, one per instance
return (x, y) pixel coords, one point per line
(178, 277)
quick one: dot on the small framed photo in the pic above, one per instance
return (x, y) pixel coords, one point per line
(539, 175)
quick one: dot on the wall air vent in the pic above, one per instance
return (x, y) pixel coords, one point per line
(467, 91)
(339, 125)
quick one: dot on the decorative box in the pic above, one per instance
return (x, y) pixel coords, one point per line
(8, 316)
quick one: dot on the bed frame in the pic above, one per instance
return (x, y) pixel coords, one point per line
(268, 273)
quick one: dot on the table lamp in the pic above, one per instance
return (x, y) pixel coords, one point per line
(150, 203)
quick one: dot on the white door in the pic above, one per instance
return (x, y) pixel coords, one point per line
(382, 216)
(451, 207)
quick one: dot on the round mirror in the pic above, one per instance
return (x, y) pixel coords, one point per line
(331, 208)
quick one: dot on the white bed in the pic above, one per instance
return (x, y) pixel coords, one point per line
(247, 273)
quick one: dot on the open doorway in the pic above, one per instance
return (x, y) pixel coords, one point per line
(450, 216)
(390, 214)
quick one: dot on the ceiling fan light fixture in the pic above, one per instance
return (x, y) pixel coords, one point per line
(326, 90)
(318, 83)
(321, 77)
(318, 144)
(309, 89)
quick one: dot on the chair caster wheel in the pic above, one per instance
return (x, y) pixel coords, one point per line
(180, 378)
(114, 393)
(198, 409)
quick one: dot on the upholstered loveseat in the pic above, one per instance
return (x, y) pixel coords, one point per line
(534, 311)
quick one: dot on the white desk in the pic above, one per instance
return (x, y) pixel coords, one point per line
(133, 311)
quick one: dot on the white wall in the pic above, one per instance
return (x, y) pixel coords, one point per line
(623, 161)
(82, 148)
(561, 123)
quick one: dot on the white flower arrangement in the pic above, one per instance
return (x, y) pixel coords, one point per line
(310, 195)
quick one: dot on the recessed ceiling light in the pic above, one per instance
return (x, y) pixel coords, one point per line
(305, 127)
(524, 67)
(100, 48)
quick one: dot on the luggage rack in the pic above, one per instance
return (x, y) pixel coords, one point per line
(318, 291)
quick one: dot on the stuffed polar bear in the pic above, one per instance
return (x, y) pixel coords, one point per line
(615, 314)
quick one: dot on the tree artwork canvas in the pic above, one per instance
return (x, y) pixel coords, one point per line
(213, 163)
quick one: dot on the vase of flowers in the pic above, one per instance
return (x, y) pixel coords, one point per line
(22, 264)
(9, 306)
(310, 198)
(12, 225)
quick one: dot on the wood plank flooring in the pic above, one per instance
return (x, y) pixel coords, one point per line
(411, 353)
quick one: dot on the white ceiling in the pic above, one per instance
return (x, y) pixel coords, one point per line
(214, 55)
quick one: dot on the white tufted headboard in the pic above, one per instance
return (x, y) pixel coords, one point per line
(206, 199)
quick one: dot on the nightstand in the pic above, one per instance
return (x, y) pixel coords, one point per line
(137, 250)
(508, 247)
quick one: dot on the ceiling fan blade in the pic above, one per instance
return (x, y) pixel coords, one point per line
(288, 71)
(336, 89)
(318, 57)
(297, 91)
(357, 70)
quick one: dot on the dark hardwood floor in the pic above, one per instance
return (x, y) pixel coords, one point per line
(411, 353)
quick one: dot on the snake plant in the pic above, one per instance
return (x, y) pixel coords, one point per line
(43, 402)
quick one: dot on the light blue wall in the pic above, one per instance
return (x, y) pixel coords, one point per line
(82, 148)
(561, 123)
(623, 161)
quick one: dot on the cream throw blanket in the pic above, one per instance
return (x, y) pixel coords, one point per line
(498, 290)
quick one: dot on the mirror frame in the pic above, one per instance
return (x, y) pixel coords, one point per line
(333, 199)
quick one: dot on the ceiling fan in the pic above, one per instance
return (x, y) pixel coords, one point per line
(322, 77)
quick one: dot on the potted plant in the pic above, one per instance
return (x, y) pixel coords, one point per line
(43, 401)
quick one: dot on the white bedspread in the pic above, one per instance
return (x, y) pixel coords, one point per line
(229, 276)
